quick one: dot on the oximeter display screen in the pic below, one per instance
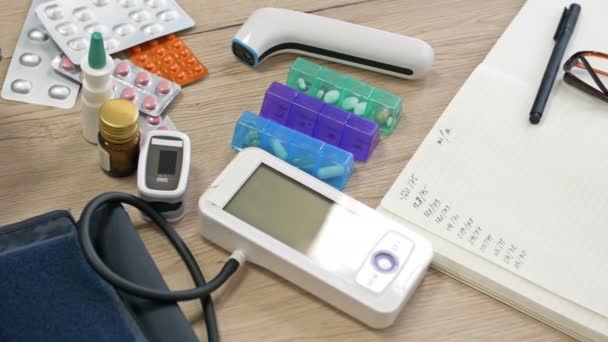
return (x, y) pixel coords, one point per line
(167, 162)
(281, 207)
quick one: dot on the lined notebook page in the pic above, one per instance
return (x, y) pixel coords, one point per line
(532, 200)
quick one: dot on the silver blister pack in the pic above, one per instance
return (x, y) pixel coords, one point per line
(30, 77)
(123, 23)
(151, 97)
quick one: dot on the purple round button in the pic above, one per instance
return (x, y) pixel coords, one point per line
(384, 262)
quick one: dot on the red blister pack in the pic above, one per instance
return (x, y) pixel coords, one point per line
(168, 57)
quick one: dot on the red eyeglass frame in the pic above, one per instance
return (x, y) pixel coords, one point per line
(579, 60)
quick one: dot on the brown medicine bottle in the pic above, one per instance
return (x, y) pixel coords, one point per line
(118, 137)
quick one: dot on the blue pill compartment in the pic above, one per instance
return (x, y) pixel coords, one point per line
(334, 166)
(310, 155)
(248, 131)
(303, 152)
(276, 139)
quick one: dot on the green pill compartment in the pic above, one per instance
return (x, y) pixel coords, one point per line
(352, 95)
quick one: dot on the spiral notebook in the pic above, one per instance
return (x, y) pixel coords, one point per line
(520, 211)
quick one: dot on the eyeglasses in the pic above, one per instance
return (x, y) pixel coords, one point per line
(587, 71)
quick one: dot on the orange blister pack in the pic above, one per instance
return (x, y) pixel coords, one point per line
(170, 58)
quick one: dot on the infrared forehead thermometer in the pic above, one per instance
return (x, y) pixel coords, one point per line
(313, 235)
(270, 31)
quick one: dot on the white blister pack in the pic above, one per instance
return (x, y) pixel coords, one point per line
(123, 23)
(30, 77)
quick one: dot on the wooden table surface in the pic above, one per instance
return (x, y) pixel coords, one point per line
(46, 165)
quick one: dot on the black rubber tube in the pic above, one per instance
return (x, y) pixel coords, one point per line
(202, 291)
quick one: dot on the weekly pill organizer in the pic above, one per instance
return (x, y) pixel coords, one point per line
(325, 122)
(352, 95)
(123, 23)
(324, 161)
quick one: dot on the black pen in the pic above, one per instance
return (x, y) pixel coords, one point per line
(561, 38)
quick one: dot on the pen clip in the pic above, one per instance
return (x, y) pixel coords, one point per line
(561, 25)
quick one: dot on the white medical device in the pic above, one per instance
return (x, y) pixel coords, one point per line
(162, 172)
(270, 31)
(315, 236)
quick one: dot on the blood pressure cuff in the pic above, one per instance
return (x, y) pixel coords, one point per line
(48, 291)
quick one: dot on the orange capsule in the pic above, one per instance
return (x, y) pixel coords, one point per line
(174, 67)
(136, 49)
(181, 75)
(184, 53)
(178, 45)
(149, 66)
(198, 68)
(161, 51)
(167, 60)
(142, 58)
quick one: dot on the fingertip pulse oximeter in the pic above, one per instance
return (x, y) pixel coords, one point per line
(163, 170)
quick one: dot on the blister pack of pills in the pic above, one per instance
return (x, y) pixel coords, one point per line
(328, 163)
(149, 92)
(168, 57)
(123, 23)
(30, 78)
(149, 123)
(352, 95)
(323, 121)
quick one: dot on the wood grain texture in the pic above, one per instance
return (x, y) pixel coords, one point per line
(46, 165)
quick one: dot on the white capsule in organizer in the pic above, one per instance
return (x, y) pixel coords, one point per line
(29, 77)
(123, 23)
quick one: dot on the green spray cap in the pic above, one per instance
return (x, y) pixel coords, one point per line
(97, 52)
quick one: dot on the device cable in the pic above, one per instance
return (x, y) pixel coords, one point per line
(203, 289)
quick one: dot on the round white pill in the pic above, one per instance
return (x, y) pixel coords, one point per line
(59, 91)
(29, 59)
(37, 35)
(21, 86)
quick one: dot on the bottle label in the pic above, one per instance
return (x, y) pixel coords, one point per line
(104, 159)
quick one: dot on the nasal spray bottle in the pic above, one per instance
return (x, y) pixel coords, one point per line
(96, 87)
